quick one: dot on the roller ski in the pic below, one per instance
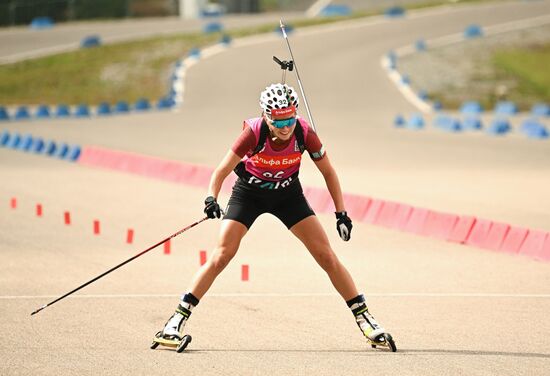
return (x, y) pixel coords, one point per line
(375, 335)
(172, 334)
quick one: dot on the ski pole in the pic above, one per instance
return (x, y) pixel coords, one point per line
(121, 264)
(298, 76)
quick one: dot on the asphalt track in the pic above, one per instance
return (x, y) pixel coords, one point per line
(452, 309)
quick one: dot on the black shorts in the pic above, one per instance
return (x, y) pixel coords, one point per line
(248, 202)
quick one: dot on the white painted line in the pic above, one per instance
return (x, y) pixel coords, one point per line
(289, 295)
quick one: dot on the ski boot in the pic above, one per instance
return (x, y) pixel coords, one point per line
(172, 334)
(373, 332)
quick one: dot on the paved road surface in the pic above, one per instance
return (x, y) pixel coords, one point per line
(452, 309)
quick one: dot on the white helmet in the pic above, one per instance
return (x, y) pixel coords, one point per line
(277, 96)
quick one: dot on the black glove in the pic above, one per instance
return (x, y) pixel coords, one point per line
(343, 225)
(212, 208)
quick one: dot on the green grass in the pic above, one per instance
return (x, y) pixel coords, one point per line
(128, 71)
(529, 69)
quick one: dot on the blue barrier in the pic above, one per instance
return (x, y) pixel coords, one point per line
(335, 10)
(4, 138)
(447, 123)
(142, 104)
(226, 39)
(122, 107)
(471, 107)
(213, 10)
(213, 27)
(499, 126)
(472, 123)
(62, 151)
(195, 52)
(416, 121)
(533, 128)
(473, 31)
(399, 121)
(50, 147)
(43, 112)
(74, 153)
(394, 12)
(41, 23)
(22, 113)
(422, 94)
(82, 111)
(539, 109)
(164, 103)
(103, 109)
(38, 145)
(90, 41)
(4, 114)
(14, 141)
(26, 142)
(62, 111)
(405, 80)
(437, 105)
(392, 58)
(420, 45)
(506, 108)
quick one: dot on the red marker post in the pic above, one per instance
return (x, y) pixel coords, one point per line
(67, 217)
(39, 210)
(202, 257)
(96, 227)
(244, 272)
(13, 203)
(167, 248)
(130, 236)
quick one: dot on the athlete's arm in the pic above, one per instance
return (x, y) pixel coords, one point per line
(228, 163)
(331, 179)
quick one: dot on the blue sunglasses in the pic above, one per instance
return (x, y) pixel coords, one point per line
(284, 122)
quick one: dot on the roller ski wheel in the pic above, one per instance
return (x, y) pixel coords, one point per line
(384, 340)
(179, 343)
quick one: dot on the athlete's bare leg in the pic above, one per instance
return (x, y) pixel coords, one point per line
(231, 234)
(311, 233)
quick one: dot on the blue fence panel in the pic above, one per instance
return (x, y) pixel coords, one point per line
(22, 113)
(335, 10)
(38, 145)
(4, 115)
(103, 109)
(90, 41)
(62, 111)
(82, 111)
(4, 138)
(473, 31)
(43, 112)
(499, 127)
(471, 107)
(506, 108)
(540, 109)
